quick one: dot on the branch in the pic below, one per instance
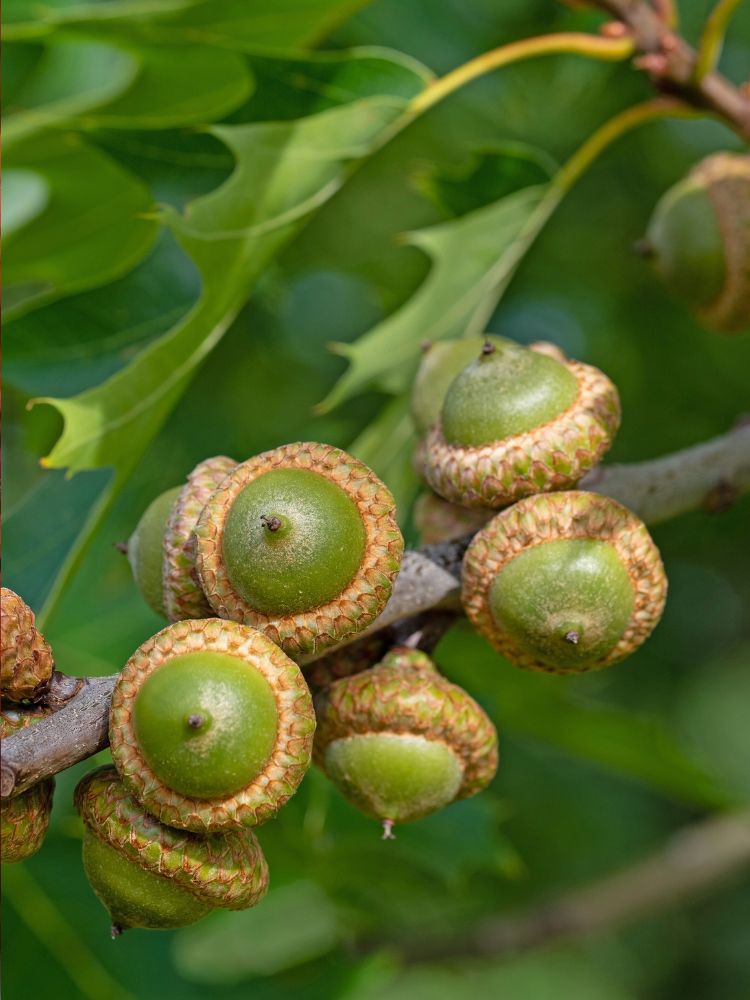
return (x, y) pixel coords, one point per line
(674, 65)
(692, 862)
(709, 476)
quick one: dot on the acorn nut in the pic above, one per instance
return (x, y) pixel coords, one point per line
(302, 543)
(24, 818)
(149, 875)
(564, 582)
(26, 662)
(516, 422)
(400, 741)
(699, 240)
(211, 725)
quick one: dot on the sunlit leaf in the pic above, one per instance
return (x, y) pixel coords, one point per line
(25, 196)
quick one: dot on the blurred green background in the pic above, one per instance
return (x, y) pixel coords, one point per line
(595, 771)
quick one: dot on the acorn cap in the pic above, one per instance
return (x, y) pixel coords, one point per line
(518, 422)
(26, 662)
(699, 238)
(345, 661)
(302, 543)
(183, 595)
(404, 695)
(564, 582)
(223, 870)
(211, 748)
(24, 818)
(438, 520)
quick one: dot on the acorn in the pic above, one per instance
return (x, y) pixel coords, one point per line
(24, 818)
(26, 662)
(516, 422)
(442, 361)
(149, 875)
(302, 543)
(211, 726)
(564, 582)
(401, 742)
(699, 241)
(161, 550)
(437, 520)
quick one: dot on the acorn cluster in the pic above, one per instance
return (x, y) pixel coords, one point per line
(266, 569)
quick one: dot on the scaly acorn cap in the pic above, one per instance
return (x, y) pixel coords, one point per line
(145, 550)
(564, 582)
(149, 875)
(211, 725)
(302, 543)
(401, 741)
(438, 520)
(699, 239)
(26, 662)
(183, 595)
(352, 659)
(517, 422)
(24, 818)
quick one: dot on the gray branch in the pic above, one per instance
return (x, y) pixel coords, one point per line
(707, 476)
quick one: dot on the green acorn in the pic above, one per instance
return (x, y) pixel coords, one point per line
(161, 550)
(24, 818)
(211, 725)
(517, 422)
(400, 741)
(26, 662)
(302, 543)
(149, 875)
(699, 240)
(564, 582)
(442, 361)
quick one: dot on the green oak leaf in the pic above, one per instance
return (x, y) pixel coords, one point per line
(85, 235)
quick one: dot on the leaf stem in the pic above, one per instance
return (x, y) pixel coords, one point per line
(572, 42)
(712, 37)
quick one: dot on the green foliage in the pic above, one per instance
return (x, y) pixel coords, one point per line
(194, 206)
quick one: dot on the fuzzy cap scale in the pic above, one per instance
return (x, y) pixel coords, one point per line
(24, 818)
(361, 600)
(261, 799)
(225, 870)
(26, 662)
(551, 517)
(183, 595)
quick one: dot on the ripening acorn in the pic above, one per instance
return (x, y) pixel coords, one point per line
(564, 582)
(302, 543)
(401, 742)
(161, 550)
(149, 875)
(699, 241)
(516, 422)
(26, 662)
(24, 818)
(211, 725)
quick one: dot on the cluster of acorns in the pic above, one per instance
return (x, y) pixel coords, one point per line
(262, 565)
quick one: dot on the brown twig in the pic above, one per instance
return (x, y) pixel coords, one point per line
(672, 64)
(427, 587)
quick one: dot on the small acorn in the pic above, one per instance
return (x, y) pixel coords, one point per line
(24, 818)
(437, 520)
(26, 662)
(699, 240)
(149, 875)
(211, 725)
(442, 361)
(161, 550)
(302, 543)
(564, 582)
(516, 422)
(401, 742)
